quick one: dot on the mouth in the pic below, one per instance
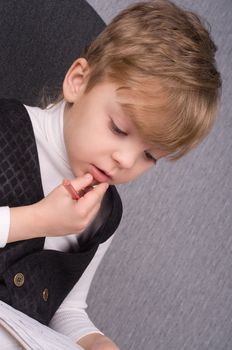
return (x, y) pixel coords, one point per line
(99, 175)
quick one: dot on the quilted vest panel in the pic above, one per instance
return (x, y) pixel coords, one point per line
(48, 275)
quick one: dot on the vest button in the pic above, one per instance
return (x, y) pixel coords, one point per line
(45, 294)
(19, 279)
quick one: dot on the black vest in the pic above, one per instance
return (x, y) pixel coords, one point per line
(33, 280)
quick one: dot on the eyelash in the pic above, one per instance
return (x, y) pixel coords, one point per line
(150, 157)
(117, 131)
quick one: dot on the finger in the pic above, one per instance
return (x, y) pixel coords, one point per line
(92, 198)
(98, 191)
(91, 209)
(92, 213)
(82, 182)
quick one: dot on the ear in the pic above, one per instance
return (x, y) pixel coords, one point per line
(75, 79)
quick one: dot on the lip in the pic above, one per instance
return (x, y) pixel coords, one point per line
(99, 174)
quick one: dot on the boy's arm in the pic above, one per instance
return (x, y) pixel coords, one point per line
(4, 225)
(57, 214)
(71, 318)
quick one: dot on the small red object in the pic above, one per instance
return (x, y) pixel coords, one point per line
(69, 187)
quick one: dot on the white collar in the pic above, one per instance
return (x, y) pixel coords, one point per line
(53, 129)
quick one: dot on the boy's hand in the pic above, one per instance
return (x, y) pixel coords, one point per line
(57, 214)
(61, 215)
(96, 341)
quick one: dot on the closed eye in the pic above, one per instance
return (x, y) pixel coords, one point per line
(150, 157)
(116, 130)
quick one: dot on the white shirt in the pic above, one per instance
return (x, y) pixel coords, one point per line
(71, 318)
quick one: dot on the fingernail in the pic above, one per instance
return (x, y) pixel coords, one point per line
(88, 176)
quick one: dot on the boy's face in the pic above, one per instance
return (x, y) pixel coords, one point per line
(102, 141)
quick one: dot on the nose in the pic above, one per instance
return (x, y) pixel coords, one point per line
(125, 159)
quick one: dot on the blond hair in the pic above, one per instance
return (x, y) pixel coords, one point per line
(163, 59)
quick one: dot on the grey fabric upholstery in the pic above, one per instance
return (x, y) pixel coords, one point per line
(38, 41)
(165, 283)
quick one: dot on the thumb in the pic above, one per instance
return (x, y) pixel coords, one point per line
(78, 186)
(81, 182)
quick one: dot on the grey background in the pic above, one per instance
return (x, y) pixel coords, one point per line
(165, 282)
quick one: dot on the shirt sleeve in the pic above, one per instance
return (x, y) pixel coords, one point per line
(4, 225)
(71, 318)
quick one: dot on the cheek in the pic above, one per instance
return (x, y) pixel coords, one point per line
(137, 172)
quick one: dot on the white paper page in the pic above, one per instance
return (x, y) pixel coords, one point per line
(31, 334)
